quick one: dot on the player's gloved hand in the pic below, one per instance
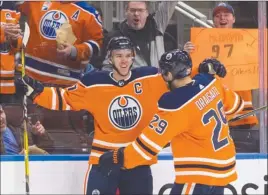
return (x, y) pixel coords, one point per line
(111, 161)
(212, 66)
(32, 88)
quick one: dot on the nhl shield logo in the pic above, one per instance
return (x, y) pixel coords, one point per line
(124, 112)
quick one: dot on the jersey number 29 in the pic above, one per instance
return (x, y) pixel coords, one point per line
(219, 117)
(158, 124)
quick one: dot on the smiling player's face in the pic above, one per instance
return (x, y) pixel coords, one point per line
(122, 60)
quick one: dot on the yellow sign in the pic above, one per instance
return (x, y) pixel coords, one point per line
(237, 49)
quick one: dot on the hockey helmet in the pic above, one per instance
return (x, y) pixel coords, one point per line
(120, 43)
(177, 62)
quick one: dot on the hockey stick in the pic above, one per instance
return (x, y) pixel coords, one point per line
(248, 114)
(25, 133)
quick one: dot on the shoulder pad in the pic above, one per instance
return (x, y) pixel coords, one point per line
(204, 78)
(96, 78)
(175, 99)
(144, 71)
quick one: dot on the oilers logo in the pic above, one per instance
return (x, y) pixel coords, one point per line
(50, 22)
(124, 112)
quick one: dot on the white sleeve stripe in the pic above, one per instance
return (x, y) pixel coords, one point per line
(85, 62)
(150, 142)
(192, 188)
(95, 154)
(248, 103)
(62, 91)
(90, 48)
(95, 43)
(68, 107)
(241, 107)
(205, 173)
(206, 160)
(185, 186)
(54, 99)
(140, 151)
(234, 106)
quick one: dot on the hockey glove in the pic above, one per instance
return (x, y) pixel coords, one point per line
(212, 66)
(32, 88)
(111, 161)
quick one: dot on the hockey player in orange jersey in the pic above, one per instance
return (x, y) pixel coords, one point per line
(192, 115)
(62, 65)
(122, 102)
(10, 43)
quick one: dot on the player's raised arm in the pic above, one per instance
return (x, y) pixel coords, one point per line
(232, 102)
(55, 98)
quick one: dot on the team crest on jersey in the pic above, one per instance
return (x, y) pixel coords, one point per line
(8, 15)
(125, 112)
(50, 22)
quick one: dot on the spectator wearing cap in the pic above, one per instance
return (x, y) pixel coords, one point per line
(224, 17)
(11, 139)
(145, 30)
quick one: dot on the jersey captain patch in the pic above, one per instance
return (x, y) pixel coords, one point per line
(124, 112)
(50, 22)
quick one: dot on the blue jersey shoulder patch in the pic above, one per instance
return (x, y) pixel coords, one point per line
(143, 72)
(203, 78)
(84, 5)
(96, 78)
(178, 97)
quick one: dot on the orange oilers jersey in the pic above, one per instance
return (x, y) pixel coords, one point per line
(193, 118)
(44, 17)
(250, 120)
(7, 51)
(120, 109)
(2, 34)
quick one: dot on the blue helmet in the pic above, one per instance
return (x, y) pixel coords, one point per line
(120, 43)
(177, 62)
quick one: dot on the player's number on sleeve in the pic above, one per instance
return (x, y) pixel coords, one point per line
(219, 117)
(216, 50)
(158, 124)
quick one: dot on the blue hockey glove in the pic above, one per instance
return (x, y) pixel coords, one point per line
(212, 66)
(111, 161)
(30, 87)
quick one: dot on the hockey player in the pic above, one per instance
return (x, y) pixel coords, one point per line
(45, 61)
(122, 102)
(208, 163)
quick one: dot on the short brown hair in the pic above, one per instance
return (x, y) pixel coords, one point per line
(147, 3)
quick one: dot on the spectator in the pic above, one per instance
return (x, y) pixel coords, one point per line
(56, 66)
(96, 60)
(12, 137)
(63, 65)
(145, 31)
(224, 17)
(10, 43)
